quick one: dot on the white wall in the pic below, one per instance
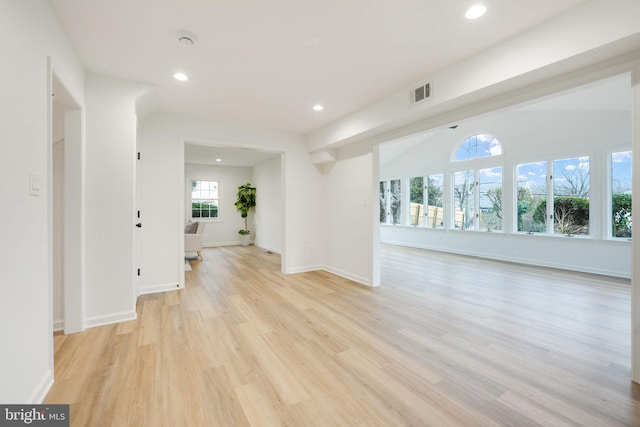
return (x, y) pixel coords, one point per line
(347, 207)
(269, 212)
(526, 136)
(28, 34)
(110, 197)
(223, 230)
(162, 144)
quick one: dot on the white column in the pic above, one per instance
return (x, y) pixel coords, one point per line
(375, 212)
(635, 253)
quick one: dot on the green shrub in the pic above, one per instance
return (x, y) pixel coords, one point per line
(621, 215)
(571, 213)
(203, 210)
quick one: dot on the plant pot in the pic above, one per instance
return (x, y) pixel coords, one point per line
(245, 239)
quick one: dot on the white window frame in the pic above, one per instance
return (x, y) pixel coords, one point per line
(189, 201)
(388, 220)
(444, 201)
(609, 193)
(550, 200)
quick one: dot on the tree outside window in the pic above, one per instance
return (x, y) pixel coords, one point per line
(571, 196)
(490, 198)
(395, 201)
(430, 214)
(384, 194)
(532, 191)
(463, 200)
(571, 188)
(416, 202)
(435, 199)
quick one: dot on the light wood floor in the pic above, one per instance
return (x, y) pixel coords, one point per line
(446, 341)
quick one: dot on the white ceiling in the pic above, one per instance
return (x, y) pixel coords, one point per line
(251, 64)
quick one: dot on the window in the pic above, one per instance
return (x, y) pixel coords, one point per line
(390, 202)
(384, 193)
(571, 196)
(532, 192)
(395, 201)
(435, 210)
(477, 196)
(478, 146)
(204, 199)
(566, 190)
(416, 202)
(490, 198)
(430, 214)
(621, 170)
(463, 195)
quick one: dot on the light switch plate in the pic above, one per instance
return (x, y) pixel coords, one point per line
(34, 184)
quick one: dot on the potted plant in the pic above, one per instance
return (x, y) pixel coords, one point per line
(245, 201)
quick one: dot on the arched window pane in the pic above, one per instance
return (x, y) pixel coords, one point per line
(478, 146)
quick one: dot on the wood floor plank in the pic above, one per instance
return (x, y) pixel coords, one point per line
(446, 340)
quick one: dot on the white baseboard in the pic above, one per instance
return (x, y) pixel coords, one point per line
(215, 245)
(349, 276)
(40, 392)
(304, 269)
(337, 272)
(268, 248)
(109, 319)
(58, 325)
(152, 289)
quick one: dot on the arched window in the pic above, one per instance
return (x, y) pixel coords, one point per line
(477, 146)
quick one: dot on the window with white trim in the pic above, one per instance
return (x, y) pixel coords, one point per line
(571, 188)
(205, 199)
(532, 191)
(621, 194)
(391, 202)
(430, 214)
(556, 202)
(478, 146)
(477, 193)
(477, 199)
(435, 201)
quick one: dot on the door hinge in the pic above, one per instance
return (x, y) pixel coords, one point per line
(138, 272)
(138, 155)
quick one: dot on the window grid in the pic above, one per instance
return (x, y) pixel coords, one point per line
(204, 199)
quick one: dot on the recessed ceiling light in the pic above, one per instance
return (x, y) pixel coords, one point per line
(181, 77)
(476, 11)
(318, 107)
(218, 160)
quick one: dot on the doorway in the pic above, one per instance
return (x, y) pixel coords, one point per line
(66, 210)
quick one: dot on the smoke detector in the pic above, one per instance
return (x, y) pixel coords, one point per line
(186, 38)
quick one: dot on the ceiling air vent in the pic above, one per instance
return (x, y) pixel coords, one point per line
(421, 93)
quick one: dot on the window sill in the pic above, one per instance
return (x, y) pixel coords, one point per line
(498, 232)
